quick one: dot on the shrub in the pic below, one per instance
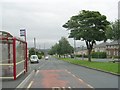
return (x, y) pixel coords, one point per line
(99, 55)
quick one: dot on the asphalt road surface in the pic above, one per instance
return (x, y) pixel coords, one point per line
(53, 73)
(56, 73)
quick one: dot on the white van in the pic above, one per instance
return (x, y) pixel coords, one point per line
(34, 58)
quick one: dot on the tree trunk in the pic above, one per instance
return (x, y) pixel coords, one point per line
(64, 56)
(59, 56)
(89, 55)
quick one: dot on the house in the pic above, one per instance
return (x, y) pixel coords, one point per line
(81, 50)
(112, 49)
(100, 47)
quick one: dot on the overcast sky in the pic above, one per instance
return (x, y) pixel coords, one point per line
(43, 19)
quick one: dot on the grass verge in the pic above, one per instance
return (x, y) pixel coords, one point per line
(104, 66)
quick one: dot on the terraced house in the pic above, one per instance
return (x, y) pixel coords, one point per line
(112, 49)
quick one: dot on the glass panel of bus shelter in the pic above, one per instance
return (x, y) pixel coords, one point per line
(20, 57)
(7, 58)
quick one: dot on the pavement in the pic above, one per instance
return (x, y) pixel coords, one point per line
(54, 73)
(98, 59)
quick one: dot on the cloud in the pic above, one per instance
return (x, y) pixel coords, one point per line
(43, 19)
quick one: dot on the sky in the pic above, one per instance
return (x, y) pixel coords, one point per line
(43, 19)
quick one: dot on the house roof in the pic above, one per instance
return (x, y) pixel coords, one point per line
(101, 45)
(113, 43)
(80, 49)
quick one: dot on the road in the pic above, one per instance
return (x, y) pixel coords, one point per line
(54, 73)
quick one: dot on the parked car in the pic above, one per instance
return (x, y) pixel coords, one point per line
(46, 58)
(34, 58)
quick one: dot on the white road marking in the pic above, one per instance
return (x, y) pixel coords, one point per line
(54, 88)
(37, 72)
(79, 79)
(89, 86)
(69, 88)
(73, 75)
(30, 84)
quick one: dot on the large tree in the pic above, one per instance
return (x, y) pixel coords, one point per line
(113, 32)
(62, 48)
(89, 26)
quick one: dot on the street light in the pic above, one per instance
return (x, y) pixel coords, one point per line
(74, 48)
(35, 45)
(82, 53)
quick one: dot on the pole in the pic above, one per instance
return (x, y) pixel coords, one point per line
(118, 42)
(74, 48)
(82, 53)
(35, 45)
(14, 58)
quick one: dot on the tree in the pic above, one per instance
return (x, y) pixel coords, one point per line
(113, 32)
(89, 26)
(32, 52)
(65, 47)
(62, 48)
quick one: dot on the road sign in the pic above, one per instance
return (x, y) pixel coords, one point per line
(22, 32)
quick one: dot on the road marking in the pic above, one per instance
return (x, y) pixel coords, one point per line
(37, 72)
(59, 88)
(89, 86)
(73, 75)
(54, 88)
(24, 81)
(63, 88)
(79, 79)
(30, 84)
(70, 88)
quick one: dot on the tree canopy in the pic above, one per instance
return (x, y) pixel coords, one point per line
(89, 26)
(113, 32)
(62, 48)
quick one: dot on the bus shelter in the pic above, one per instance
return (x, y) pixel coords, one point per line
(14, 58)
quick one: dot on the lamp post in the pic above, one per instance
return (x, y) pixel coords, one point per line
(82, 53)
(74, 48)
(35, 45)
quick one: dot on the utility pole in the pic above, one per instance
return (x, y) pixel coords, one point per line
(74, 48)
(35, 45)
(119, 30)
(82, 53)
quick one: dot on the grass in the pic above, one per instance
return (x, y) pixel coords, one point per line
(105, 66)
